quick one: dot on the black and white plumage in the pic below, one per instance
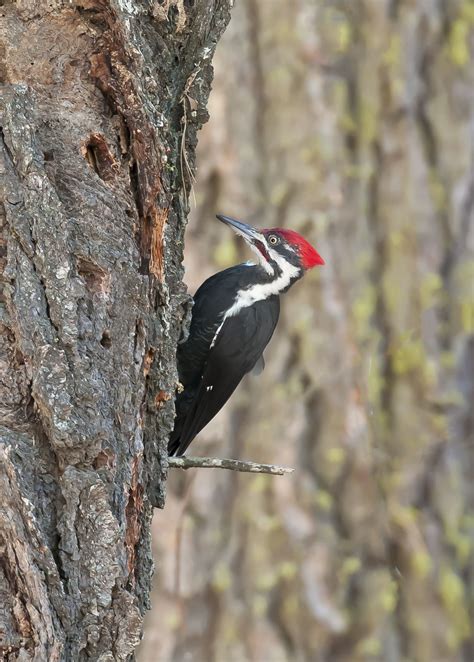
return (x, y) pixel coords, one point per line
(234, 316)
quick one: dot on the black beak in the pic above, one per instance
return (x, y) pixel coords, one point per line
(246, 231)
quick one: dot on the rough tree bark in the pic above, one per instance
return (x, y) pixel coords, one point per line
(358, 131)
(101, 101)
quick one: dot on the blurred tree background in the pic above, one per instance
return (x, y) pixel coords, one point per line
(352, 122)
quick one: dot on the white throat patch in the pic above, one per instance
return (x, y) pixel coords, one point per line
(262, 291)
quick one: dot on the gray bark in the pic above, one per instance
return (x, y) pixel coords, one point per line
(100, 104)
(362, 138)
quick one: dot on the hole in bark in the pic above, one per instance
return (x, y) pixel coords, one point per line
(48, 156)
(99, 157)
(135, 186)
(146, 229)
(96, 279)
(106, 341)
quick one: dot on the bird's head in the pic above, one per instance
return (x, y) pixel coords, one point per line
(279, 251)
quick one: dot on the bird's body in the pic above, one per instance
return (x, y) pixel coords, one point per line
(234, 316)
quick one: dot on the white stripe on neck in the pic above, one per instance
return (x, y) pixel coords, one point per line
(251, 295)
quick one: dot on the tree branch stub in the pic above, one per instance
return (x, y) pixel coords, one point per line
(228, 463)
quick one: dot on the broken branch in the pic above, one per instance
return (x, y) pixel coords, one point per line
(225, 463)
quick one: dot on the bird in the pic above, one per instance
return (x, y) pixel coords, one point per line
(233, 318)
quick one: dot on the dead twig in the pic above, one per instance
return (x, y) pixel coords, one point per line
(226, 463)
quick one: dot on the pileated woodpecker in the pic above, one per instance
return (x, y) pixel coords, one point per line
(234, 315)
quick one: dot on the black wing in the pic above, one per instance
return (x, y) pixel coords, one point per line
(212, 299)
(238, 346)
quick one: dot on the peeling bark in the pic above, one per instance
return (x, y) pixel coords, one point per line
(95, 116)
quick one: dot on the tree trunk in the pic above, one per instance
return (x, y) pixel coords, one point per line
(358, 131)
(101, 101)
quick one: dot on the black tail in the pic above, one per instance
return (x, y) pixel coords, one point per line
(174, 440)
(184, 402)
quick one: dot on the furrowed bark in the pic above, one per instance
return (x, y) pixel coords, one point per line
(99, 102)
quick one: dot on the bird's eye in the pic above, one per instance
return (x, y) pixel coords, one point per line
(273, 239)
